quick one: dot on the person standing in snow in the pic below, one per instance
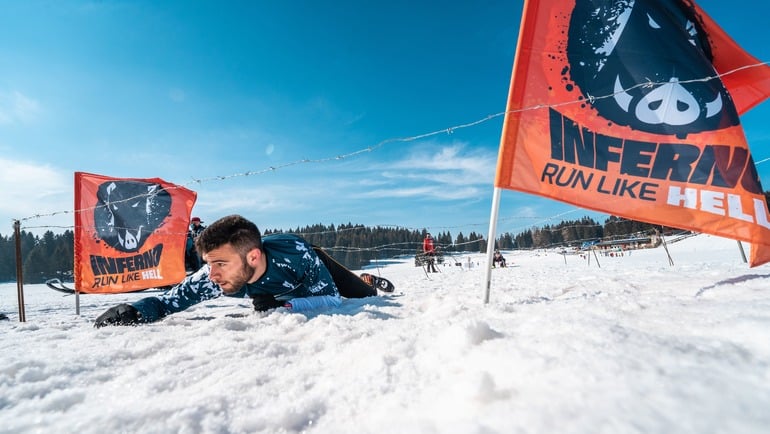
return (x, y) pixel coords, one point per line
(277, 271)
(193, 261)
(429, 250)
(196, 227)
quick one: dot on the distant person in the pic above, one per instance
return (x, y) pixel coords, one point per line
(498, 259)
(196, 226)
(193, 261)
(429, 250)
(279, 270)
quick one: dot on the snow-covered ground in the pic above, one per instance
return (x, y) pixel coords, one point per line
(628, 345)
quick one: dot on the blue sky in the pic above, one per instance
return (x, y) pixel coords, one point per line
(198, 90)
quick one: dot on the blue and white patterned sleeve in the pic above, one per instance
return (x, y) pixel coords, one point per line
(318, 280)
(194, 289)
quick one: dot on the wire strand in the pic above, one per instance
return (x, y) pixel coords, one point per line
(382, 143)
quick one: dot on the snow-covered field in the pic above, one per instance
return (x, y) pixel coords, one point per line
(631, 345)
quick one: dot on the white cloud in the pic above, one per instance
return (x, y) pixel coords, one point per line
(251, 201)
(15, 107)
(435, 191)
(439, 172)
(447, 177)
(457, 159)
(37, 194)
(397, 192)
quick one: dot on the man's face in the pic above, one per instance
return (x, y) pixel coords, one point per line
(230, 270)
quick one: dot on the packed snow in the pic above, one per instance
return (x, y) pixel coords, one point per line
(567, 344)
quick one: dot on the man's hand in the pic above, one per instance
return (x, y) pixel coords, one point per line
(122, 314)
(263, 302)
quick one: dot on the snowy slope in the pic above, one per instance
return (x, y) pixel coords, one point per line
(630, 345)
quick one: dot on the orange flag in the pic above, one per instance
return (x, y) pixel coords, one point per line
(618, 107)
(130, 234)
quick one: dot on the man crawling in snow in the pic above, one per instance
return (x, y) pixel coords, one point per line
(280, 270)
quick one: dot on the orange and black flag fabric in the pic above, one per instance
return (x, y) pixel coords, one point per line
(632, 108)
(130, 234)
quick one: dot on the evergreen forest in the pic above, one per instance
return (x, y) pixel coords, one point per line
(355, 246)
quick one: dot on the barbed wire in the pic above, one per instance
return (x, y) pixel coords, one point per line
(580, 100)
(413, 247)
(361, 227)
(408, 248)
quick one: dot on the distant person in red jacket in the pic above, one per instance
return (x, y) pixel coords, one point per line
(429, 250)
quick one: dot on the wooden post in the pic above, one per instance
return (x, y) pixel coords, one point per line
(19, 274)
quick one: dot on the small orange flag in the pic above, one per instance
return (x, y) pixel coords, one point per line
(130, 234)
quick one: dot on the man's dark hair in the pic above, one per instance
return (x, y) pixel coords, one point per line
(239, 232)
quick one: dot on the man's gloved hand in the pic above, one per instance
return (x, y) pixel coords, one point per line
(263, 302)
(122, 314)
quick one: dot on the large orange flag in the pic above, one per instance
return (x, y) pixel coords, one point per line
(617, 106)
(130, 234)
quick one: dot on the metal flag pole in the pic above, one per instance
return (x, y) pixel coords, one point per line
(491, 241)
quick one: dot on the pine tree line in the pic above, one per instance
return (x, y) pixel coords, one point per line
(51, 255)
(354, 246)
(576, 232)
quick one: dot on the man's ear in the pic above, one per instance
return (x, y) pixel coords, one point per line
(253, 256)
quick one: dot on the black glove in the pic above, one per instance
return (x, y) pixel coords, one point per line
(263, 302)
(122, 314)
